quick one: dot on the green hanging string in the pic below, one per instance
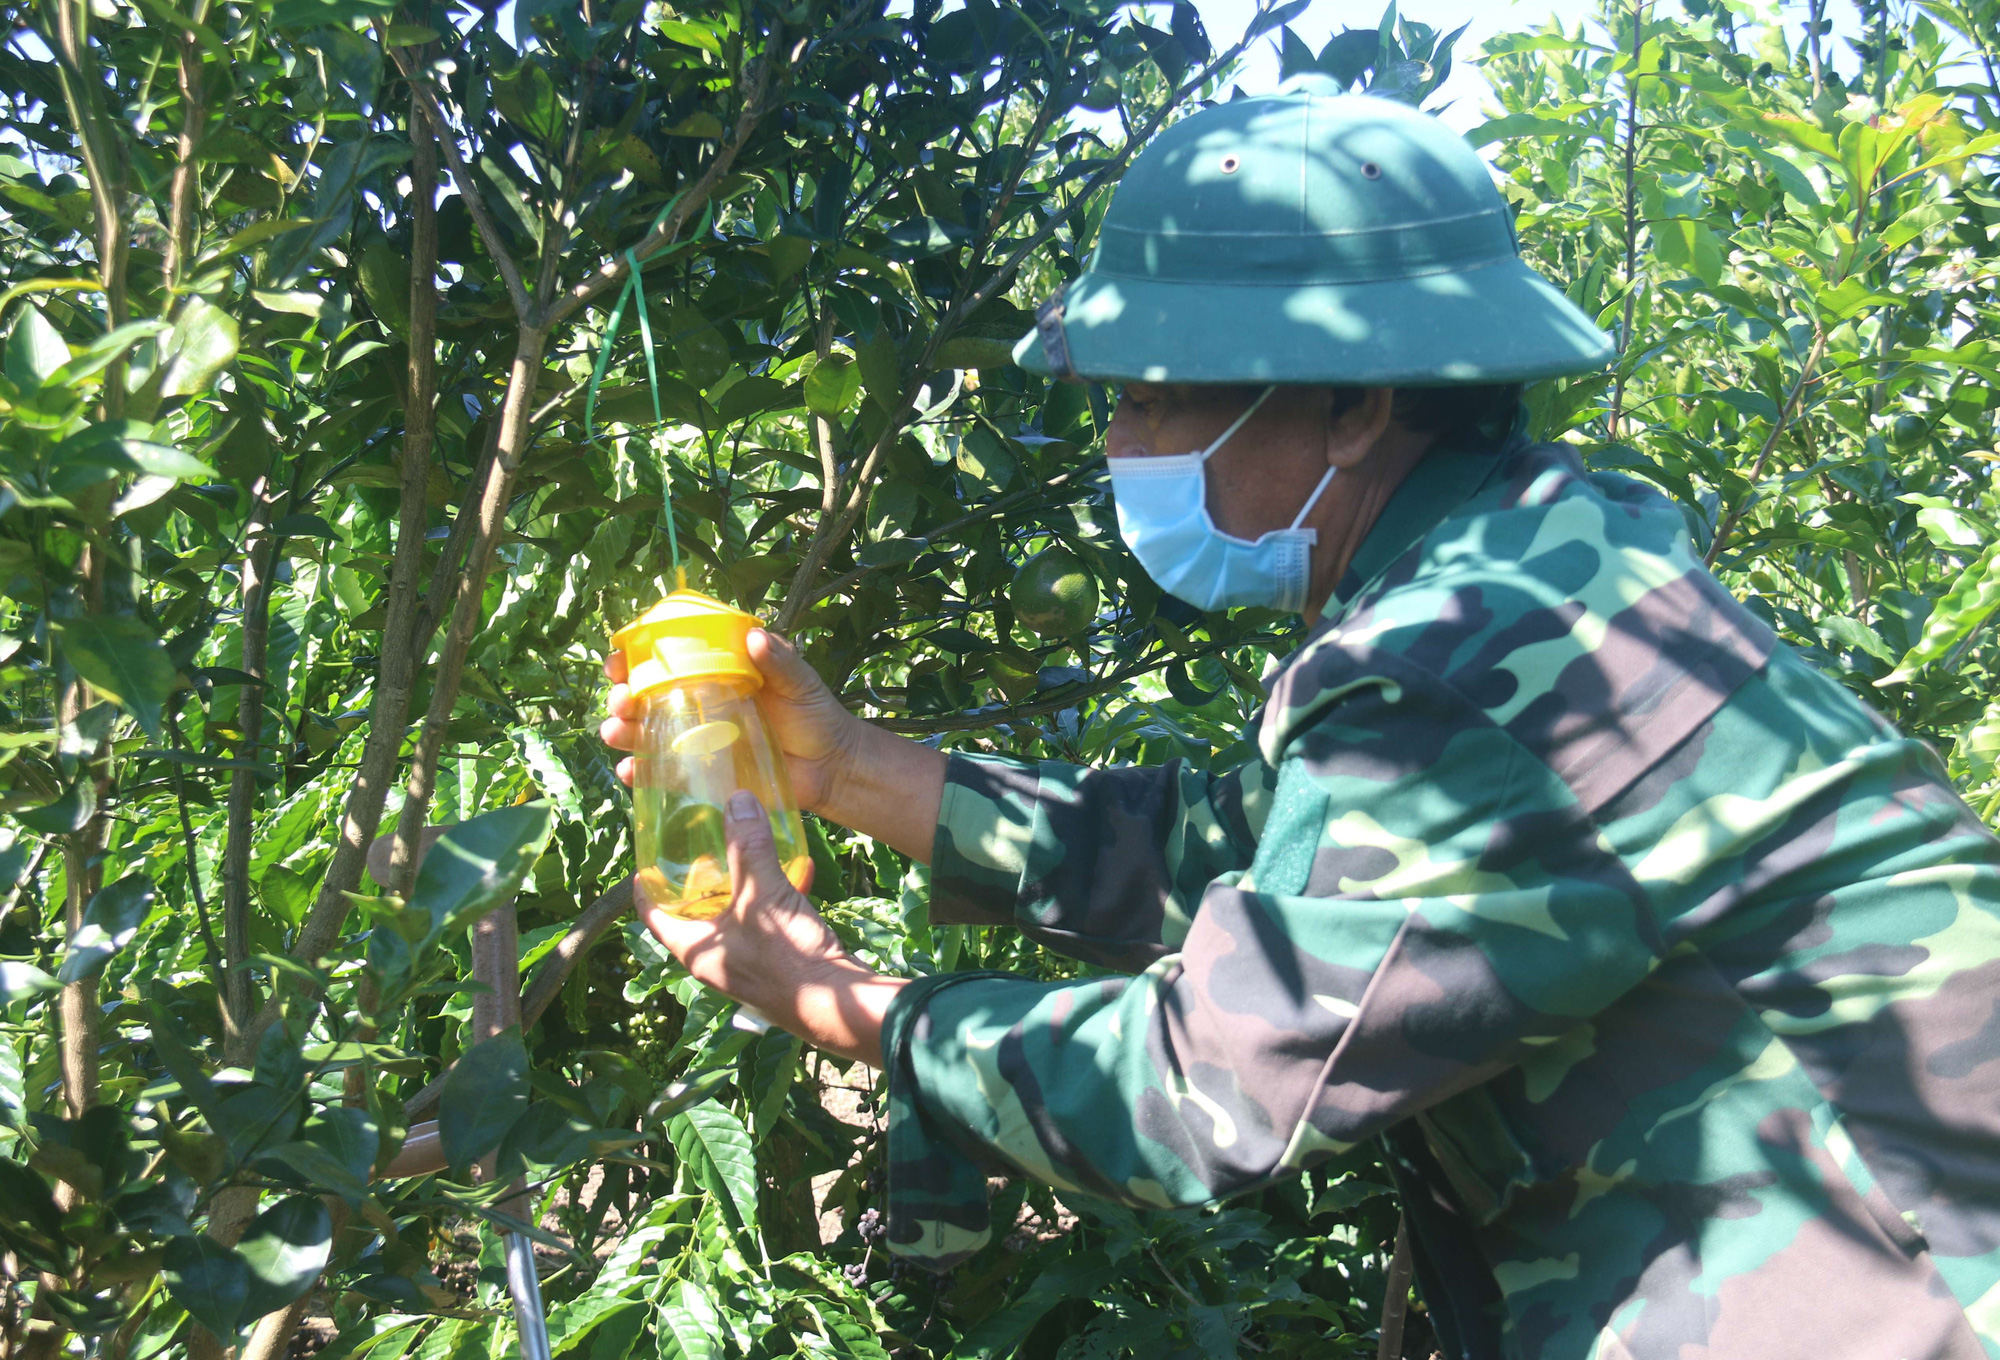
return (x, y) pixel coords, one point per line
(659, 420)
(635, 287)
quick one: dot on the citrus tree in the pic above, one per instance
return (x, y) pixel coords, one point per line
(1794, 244)
(367, 362)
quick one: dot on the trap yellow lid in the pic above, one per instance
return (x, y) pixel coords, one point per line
(687, 636)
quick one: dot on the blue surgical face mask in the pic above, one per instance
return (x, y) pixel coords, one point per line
(1163, 518)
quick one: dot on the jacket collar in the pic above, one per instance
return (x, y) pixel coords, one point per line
(1445, 479)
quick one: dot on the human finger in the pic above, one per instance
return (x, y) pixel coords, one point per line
(624, 704)
(619, 734)
(753, 853)
(679, 934)
(614, 666)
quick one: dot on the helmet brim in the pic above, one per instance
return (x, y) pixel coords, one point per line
(1497, 323)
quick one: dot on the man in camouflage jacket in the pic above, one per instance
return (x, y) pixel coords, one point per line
(1668, 966)
(1668, 973)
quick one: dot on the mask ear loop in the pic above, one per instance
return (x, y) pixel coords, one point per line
(1238, 423)
(1313, 499)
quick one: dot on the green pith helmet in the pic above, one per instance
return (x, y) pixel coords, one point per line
(1310, 237)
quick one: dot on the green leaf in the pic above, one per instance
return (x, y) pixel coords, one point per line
(110, 920)
(315, 13)
(549, 1138)
(1345, 1194)
(27, 1204)
(891, 552)
(182, 1062)
(716, 1149)
(347, 1135)
(313, 1165)
(1516, 125)
(924, 236)
(284, 1251)
(69, 813)
(1001, 1331)
(528, 101)
(285, 893)
(681, 1095)
(255, 235)
(552, 775)
(21, 981)
(485, 1091)
(773, 1068)
(1273, 17)
(701, 124)
(476, 865)
(750, 397)
(105, 350)
(252, 1118)
(1971, 600)
(203, 343)
(1853, 633)
(617, 1335)
(35, 349)
(575, 1321)
(209, 1280)
(125, 446)
(122, 659)
(688, 1326)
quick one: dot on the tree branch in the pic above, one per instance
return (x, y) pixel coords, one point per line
(186, 192)
(489, 524)
(828, 533)
(1055, 703)
(468, 188)
(105, 168)
(612, 272)
(401, 653)
(1615, 423)
(1735, 516)
(549, 977)
(258, 580)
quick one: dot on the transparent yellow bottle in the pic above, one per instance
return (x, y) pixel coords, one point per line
(702, 738)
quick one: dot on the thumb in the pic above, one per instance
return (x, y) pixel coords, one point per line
(781, 665)
(753, 854)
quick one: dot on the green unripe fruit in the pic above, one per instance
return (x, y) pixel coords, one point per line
(385, 282)
(699, 348)
(831, 385)
(1054, 594)
(1909, 431)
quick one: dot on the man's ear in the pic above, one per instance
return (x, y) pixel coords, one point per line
(1352, 435)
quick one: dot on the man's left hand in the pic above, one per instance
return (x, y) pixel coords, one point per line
(770, 950)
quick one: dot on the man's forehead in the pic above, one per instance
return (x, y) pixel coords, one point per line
(1191, 394)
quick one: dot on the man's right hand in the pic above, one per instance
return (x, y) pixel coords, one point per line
(816, 734)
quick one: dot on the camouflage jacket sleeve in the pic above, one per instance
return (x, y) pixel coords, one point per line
(1424, 902)
(1103, 865)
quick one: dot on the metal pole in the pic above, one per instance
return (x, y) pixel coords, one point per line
(526, 1290)
(496, 961)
